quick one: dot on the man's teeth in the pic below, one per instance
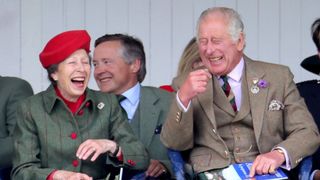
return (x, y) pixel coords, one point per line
(215, 58)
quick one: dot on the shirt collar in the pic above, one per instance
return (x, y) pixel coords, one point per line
(237, 71)
(133, 94)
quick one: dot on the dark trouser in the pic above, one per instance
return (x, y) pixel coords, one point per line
(5, 173)
(133, 174)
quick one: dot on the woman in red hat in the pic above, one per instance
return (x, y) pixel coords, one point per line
(70, 131)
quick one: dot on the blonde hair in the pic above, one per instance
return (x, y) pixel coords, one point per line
(189, 57)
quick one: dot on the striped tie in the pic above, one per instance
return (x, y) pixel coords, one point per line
(227, 90)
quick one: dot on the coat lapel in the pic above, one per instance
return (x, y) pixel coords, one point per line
(257, 100)
(148, 112)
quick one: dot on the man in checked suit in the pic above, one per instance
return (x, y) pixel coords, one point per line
(267, 122)
(120, 67)
(12, 90)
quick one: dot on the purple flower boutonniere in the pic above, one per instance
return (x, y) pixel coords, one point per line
(257, 84)
(263, 83)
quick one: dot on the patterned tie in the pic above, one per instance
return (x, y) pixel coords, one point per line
(227, 90)
(120, 99)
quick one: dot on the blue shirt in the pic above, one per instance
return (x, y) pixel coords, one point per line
(130, 104)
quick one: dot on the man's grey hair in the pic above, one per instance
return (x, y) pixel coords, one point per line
(233, 19)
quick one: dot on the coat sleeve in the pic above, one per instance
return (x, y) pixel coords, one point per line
(26, 161)
(16, 90)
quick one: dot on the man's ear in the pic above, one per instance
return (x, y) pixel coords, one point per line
(241, 42)
(135, 66)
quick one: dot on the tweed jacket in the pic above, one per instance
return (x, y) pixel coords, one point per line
(48, 135)
(153, 108)
(12, 90)
(291, 126)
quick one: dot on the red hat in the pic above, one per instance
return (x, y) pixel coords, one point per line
(63, 45)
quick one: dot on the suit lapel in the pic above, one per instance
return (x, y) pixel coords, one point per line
(257, 101)
(220, 99)
(206, 102)
(148, 112)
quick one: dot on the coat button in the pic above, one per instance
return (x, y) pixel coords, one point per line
(131, 162)
(75, 163)
(237, 150)
(226, 154)
(80, 113)
(73, 135)
(87, 104)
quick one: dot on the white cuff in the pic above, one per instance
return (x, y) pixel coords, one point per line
(287, 164)
(181, 106)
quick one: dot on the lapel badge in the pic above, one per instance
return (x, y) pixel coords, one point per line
(158, 129)
(257, 84)
(254, 88)
(100, 105)
(275, 105)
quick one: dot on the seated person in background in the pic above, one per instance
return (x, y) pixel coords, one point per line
(237, 109)
(70, 131)
(12, 90)
(119, 68)
(310, 90)
(189, 61)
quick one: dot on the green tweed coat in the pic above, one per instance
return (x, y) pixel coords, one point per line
(48, 135)
(12, 90)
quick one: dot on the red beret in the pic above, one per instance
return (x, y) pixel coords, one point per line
(63, 45)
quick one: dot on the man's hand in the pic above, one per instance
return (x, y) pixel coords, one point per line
(155, 169)
(95, 147)
(267, 163)
(195, 83)
(69, 175)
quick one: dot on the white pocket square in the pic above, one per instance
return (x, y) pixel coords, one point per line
(275, 105)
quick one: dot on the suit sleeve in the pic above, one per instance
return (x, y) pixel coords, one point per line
(17, 90)
(301, 133)
(177, 132)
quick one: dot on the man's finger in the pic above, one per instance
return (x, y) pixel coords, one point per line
(253, 168)
(272, 169)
